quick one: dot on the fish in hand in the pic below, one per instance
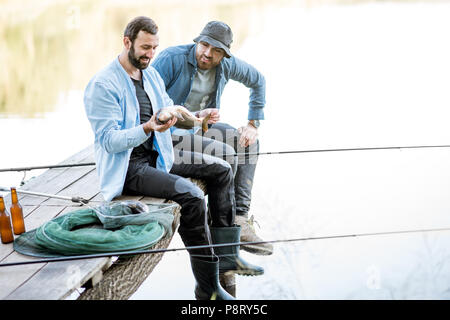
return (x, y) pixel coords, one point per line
(185, 118)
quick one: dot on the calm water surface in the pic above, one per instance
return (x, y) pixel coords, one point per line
(338, 76)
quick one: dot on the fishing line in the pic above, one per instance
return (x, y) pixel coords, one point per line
(154, 251)
(240, 154)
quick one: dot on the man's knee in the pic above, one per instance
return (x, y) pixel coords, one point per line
(188, 189)
(225, 133)
(220, 169)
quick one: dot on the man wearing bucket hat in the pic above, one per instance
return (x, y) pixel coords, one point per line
(195, 76)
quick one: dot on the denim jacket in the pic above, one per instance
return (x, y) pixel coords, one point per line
(178, 66)
(113, 112)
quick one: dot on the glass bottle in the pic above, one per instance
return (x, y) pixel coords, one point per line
(5, 224)
(16, 213)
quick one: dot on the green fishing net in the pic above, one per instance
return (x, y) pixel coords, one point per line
(110, 227)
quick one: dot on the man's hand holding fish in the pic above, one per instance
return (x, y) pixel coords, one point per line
(214, 115)
(152, 125)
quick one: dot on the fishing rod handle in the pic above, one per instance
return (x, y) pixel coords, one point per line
(79, 200)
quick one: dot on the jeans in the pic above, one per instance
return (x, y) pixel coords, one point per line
(222, 141)
(144, 179)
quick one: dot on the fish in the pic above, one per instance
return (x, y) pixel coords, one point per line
(135, 206)
(185, 118)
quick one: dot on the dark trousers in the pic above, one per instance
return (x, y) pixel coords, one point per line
(143, 179)
(222, 141)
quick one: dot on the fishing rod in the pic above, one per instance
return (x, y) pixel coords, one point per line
(85, 201)
(75, 199)
(339, 150)
(239, 154)
(211, 246)
(55, 166)
(154, 251)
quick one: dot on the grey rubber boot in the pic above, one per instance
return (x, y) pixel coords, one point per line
(229, 258)
(206, 274)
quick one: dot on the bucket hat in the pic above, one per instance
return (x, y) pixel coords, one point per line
(217, 34)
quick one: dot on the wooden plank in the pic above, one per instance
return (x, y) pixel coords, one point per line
(55, 185)
(7, 249)
(26, 282)
(53, 181)
(97, 199)
(60, 278)
(96, 278)
(34, 219)
(86, 187)
(14, 276)
(85, 155)
(57, 280)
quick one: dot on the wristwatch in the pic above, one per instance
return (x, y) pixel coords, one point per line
(254, 123)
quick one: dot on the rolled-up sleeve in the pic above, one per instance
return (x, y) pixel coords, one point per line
(250, 77)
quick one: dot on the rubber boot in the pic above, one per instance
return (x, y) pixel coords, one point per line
(230, 260)
(206, 274)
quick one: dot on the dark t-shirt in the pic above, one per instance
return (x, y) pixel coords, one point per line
(145, 150)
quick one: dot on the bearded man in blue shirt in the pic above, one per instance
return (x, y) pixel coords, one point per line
(134, 155)
(195, 76)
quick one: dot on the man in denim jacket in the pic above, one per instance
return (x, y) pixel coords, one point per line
(134, 155)
(195, 76)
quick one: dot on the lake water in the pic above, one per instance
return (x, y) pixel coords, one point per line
(358, 74)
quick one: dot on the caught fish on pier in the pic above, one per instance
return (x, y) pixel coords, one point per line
(185, 118)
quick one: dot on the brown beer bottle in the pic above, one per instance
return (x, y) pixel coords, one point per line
(5, 224)
(16, 213)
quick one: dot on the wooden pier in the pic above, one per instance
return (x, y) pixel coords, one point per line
(99, 278)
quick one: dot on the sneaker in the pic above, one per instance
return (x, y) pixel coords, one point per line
(248, 235)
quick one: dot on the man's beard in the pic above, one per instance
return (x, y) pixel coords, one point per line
(205, 65)
(136, 62)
